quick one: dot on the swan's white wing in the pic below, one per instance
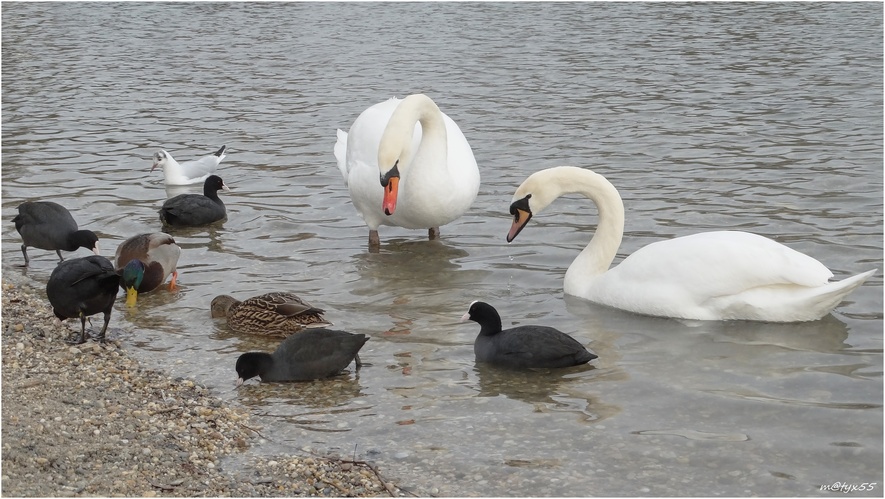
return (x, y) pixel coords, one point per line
(714, 264)
(360, 160)
(341, 153)
(718, 275)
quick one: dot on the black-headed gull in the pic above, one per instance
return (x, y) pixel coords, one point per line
(189, 172)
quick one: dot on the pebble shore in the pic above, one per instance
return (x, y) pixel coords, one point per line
(88, 420)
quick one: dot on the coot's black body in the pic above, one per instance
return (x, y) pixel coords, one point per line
(50, 226)
(81, 287)
(196, 209)
(307, 355)
(522, 346)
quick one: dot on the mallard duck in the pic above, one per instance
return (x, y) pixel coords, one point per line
(522, 346)
(50, 226)
(189, 172)
(82, 287)
(196, 209)
(271, 314)
(313, 354)
(145, 261)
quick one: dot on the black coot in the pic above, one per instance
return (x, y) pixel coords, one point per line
(82, 287)
(196, 209)
(308, 355)
(522, 346)
(50, 226)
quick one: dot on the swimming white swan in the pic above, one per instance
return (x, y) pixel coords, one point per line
(719, 275)
(407, 164)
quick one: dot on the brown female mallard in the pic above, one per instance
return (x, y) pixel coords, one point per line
(271, 314)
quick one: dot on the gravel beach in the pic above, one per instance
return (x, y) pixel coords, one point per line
(88, 420)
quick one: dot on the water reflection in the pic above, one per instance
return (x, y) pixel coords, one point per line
(411, 282)
(739, 338)
(402, 261)
(338, 392)
(148, 311)
(563, 390)
(206, 237)
(174, 190)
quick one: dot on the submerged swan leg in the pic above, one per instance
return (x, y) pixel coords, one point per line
(433, 233)
(374, 240)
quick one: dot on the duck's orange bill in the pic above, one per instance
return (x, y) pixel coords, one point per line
(131, 297)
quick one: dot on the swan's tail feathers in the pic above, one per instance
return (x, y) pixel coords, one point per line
(846, 286)
(832, 294)
(341, 153)
(220, 153)
(789, 302)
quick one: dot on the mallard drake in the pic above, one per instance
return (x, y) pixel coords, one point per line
(196, 209)
(145, 261)
(522, 346)
(81, 287)
(50, 226)
(270, 314)
(313, 354)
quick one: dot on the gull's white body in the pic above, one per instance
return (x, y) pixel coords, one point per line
(720, 275)
(189, 172)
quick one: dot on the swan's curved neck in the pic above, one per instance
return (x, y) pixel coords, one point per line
(398, 136)
(597, 257)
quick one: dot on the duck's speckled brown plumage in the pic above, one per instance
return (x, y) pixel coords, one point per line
(270, 314)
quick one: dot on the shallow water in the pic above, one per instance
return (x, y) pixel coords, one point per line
(763, 117)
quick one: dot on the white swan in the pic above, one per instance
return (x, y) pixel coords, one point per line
(719, 275)
(189, 172)
(407, 164)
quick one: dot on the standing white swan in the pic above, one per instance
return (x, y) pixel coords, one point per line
(407, 164)
(719, 275)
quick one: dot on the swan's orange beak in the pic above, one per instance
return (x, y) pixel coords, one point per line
(520, 219)
(390, 190)
(390, 183)
(522, 213)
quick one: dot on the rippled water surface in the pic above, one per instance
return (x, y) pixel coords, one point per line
(763, 117)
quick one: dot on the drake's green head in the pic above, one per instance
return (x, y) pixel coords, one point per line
(133, 274)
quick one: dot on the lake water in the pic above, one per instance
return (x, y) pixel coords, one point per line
(760, 117)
